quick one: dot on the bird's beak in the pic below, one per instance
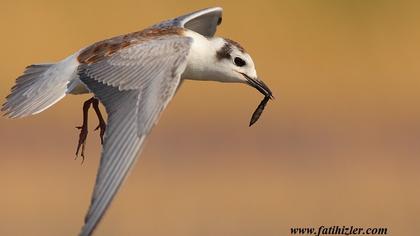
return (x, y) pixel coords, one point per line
(259, 85)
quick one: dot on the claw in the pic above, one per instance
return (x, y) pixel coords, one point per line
(102, 127)
(82, 142)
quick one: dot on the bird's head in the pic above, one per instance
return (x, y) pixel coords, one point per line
(234, 64)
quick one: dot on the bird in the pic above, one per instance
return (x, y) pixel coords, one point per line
(134, 76)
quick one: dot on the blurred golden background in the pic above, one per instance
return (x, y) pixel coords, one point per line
(340, 144)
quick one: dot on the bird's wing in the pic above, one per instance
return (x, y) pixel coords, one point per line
(134, 84)
(204, 21)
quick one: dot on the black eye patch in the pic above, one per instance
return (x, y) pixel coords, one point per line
(239, 61)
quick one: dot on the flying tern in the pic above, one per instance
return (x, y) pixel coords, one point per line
(134, 76)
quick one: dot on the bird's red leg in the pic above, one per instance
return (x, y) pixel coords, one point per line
(84, 129)
(102, 124)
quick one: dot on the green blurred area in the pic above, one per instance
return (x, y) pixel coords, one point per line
(338, 146)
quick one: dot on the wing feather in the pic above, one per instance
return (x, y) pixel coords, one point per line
(204, 21)
(149, 60)
(121, 146)
(135, 85)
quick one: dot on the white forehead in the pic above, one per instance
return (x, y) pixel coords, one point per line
(244, 55)
(235, 49)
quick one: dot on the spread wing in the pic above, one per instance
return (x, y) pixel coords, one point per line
(204, 21)
(134, 84)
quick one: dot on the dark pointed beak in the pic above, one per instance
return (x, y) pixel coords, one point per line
(259, 85)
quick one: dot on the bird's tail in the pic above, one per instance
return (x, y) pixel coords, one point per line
(40, 86)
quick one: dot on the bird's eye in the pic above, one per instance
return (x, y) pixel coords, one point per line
(239, 61)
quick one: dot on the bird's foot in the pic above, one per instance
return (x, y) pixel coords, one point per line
(82, 142)
(102, 124)
(83, 130)
(101, 127)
